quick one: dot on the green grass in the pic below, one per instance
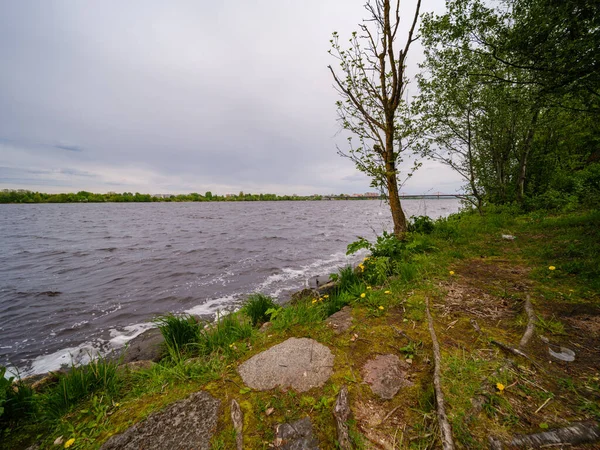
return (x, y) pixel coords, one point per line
(100, 375)
(180, 332)
(256, 307)
(223, 333)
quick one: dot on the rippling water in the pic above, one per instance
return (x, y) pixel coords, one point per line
(77, 279)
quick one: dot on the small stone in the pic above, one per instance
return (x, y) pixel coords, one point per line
(341, 320)
(59, 441)
(265, 327)
(269, 411)
(296, 436)
(386, 374)
(508, 237)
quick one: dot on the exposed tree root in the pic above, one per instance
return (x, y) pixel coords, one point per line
(445, 429)
(579, 433)
(531, 319)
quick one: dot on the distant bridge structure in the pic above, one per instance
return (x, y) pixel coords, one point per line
(434, 196)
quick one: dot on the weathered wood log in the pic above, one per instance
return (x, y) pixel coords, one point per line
(445, 429)
(578, 433)
(531, 319)
(237, 417)
(341, 412)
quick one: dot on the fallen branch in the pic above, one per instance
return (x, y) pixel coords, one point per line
(445, 430)
(530, 323)
(579, 433)
(508, 348)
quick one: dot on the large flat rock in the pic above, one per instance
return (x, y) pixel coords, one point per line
(300, 364)
(185, 425)
(145, 347)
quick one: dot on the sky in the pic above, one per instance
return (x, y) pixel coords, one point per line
(181, 96)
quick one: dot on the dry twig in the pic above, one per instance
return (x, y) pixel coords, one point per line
(445, 430)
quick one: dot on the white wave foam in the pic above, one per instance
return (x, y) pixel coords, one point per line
(211, 307)
(292, 277)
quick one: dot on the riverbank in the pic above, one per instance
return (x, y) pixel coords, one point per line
(476, 272)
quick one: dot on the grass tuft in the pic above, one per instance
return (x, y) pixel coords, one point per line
(256, 308)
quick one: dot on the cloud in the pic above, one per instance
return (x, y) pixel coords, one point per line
(151, 96)
(69, 148)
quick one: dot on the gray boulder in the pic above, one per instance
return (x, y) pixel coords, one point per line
(300, 364)
(386, 374)
(184, 425)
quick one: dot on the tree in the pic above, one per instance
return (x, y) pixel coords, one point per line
(371, 83)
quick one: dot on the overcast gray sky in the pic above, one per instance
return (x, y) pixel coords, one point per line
(179, 96)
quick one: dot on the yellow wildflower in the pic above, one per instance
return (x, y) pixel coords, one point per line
(500, 387)
(361, 267)
(326, 296)
(369, 288)
(551, 268)
(381, 308)
(452, 272)
(69, 442)
(387, 292)
(363, 295)
(314, 300)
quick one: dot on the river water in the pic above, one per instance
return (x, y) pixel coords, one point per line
(82, 279)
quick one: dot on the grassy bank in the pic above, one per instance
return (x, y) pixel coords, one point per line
(466, 269)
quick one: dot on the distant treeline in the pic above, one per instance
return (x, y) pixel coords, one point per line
(23, 196)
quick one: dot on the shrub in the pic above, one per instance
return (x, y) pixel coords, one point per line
(16, 398)
(179, 332)
(421, 224)
(386, 244)
(256, 308)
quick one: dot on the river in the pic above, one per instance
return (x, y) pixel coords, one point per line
(82, 279)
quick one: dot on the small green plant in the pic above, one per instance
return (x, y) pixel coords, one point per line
(180, 332)
(256, 308)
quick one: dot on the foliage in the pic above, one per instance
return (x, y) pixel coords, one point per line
(256, 308)
(386, 244)
(16, 398)
(421, 224)
(25, 196)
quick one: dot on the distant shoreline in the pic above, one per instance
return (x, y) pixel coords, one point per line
(22, 196)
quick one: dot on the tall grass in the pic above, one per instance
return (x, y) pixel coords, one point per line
(99, 375)
(256, 307)
(222, 333)
(180, 332)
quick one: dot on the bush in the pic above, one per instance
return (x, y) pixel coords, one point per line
(421, 224)
(16, 398)
(256, 308)
(386, 244)
(179, 332)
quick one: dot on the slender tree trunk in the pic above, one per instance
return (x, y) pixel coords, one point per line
(393, 195)
(525, 156)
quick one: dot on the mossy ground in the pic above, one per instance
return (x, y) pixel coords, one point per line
(469, 274)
